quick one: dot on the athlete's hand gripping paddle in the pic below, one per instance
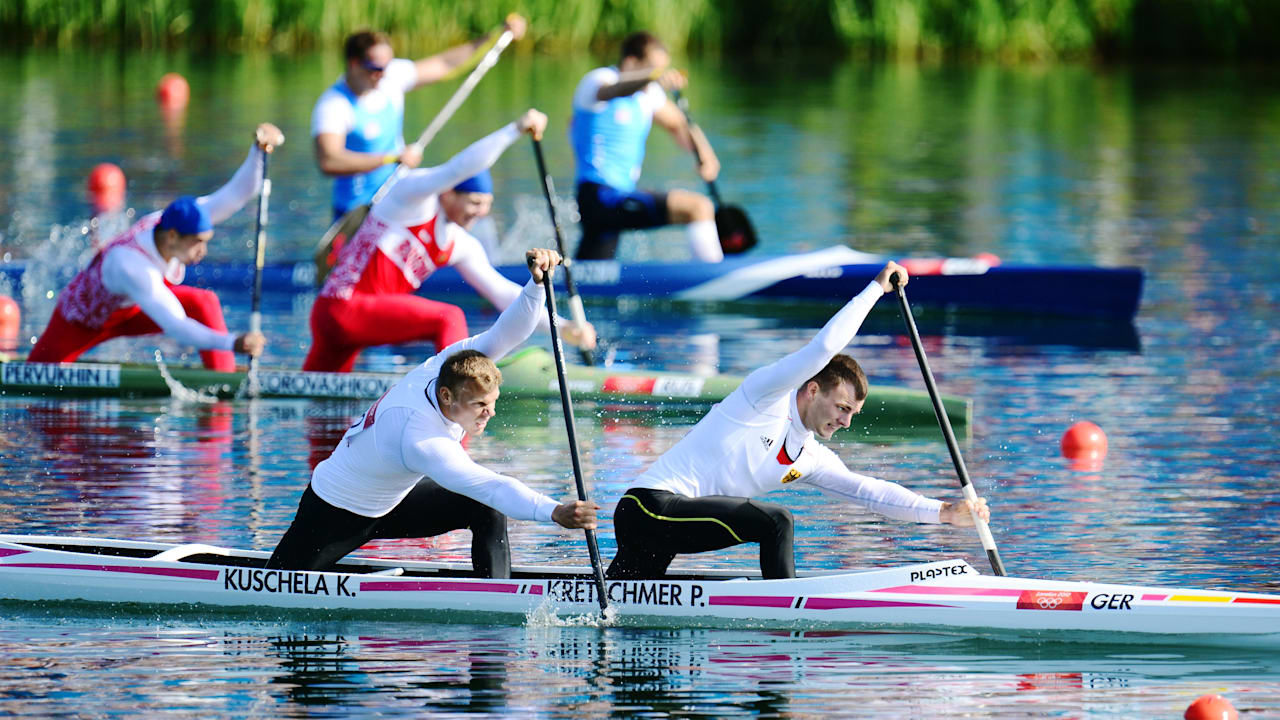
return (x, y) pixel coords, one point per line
(576, 312)
(558, 350)
(347, 225)
(984, 532)
(737, 234)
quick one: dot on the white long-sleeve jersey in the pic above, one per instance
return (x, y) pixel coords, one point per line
(754, 441)
(404, 436)
(131, 271)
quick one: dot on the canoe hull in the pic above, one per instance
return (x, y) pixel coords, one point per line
(948, 595)
(831, 274)
(529, 373)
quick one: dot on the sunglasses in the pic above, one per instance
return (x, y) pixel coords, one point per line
(372, 67)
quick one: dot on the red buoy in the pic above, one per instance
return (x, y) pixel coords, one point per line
(991, 259)
(1085, 445)
(1211, 707)
(106, 186)
(173, 91)
(10, 323)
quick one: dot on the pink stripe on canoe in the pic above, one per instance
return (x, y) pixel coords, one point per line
(841, 603)
(751, 601)
(170, 572)
(936, 590)
(4, 552)
(437, 586)
(535, 590)
(1154, 597)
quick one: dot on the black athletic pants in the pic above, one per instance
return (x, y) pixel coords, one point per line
(322, 534)
(653, 526)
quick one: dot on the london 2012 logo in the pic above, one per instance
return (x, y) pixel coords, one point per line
(1051, 600)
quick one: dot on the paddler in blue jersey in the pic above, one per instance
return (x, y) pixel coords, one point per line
(358, 123)
(613, 110)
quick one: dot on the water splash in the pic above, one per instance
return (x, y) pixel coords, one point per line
(545, 616)
(181, 392)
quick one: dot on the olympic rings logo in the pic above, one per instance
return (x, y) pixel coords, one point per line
(1048, 603)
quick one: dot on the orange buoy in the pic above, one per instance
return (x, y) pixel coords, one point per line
(10, 323)
(173, 91)
(1085, 445)
(1211, 707)
(106, 187)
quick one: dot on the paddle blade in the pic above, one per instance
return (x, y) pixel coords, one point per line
(736, 232)
(342, 229)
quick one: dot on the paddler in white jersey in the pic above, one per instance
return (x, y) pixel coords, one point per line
(697, 497)
(401, 472)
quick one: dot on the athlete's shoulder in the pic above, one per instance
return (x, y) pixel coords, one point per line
(584, 96)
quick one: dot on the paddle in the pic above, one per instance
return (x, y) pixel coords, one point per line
(259, 259)
(567, 404)
(347, 225)
(575, 301)
(737, 235)
(984, 532)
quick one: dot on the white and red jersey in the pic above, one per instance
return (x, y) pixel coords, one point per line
(129, 270)
(407, 237)
(754, 441)
(404, 436)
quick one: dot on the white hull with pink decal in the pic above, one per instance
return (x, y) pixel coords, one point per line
(948, 596)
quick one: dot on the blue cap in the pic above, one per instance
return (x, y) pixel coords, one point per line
(480, 183)
(186, 216)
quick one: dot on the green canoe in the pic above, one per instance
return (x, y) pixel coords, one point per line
(529, 373)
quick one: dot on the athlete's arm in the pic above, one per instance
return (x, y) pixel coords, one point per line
(787, 374)
(335, 160)
(474, 266)
(247, 180)
(455, 60)
(887, 498)
(477, 156)
(145, 286)
(442, 459)
(670, 118)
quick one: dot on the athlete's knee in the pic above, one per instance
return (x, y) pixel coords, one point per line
(484, 519)
(779, 518)
(684, 206)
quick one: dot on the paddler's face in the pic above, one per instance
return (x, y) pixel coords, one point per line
(188, 249)
(366, 73)
(826, 411)
(464, 209)
(470, 408)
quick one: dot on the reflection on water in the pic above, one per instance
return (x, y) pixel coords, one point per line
(393, 669)
(1172, 170)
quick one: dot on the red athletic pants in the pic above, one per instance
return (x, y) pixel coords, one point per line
(64, 340)
(340, 329)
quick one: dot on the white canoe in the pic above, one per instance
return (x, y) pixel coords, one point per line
(948, 595)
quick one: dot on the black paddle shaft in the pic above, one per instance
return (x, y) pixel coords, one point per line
(549, 191)
(592, 548)
(683, 104)
(993, 555)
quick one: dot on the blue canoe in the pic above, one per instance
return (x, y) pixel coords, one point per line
(832, 274)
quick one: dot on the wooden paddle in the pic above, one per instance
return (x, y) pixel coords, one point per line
(576, 312)
(592, 548)
(345, 227)
(737, 234)
(984, 532)
(259, 259)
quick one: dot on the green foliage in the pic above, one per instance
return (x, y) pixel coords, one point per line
(1009, 29)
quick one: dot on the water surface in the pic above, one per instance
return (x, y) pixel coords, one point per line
(1175, 170)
